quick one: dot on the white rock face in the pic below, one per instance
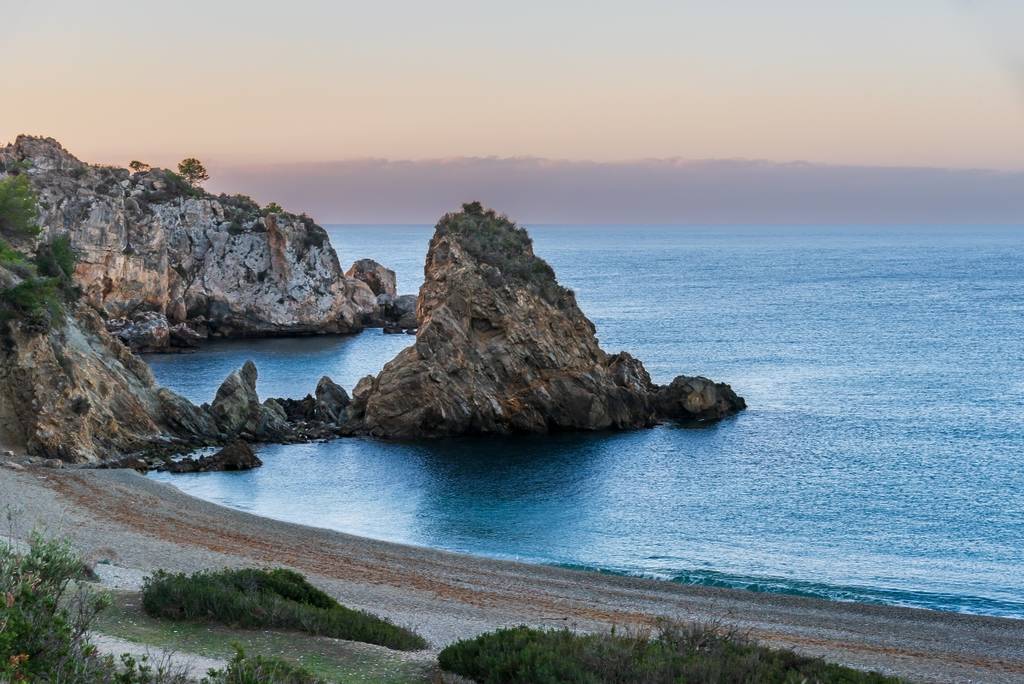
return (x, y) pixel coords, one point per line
(147, 242)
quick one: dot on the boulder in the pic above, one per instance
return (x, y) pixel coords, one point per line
(237, 410)
(183, 336)
(697, 399)
(235, 456)
(145, 331)
(331, 401)
(503, 348)
(380, 280)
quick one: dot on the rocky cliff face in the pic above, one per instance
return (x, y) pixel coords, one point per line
(147, 242)
(503, 348)
(75, 393)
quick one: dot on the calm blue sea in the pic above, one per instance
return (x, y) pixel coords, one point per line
(881, 458)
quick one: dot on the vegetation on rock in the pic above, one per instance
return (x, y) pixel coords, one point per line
(497, 241)
(279, 597)
(17, 207)
(677, 653)
(193, 171)
(261, 670)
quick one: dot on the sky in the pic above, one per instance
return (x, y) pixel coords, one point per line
(280, 92)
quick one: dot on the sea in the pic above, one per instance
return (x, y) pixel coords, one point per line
(881, 458)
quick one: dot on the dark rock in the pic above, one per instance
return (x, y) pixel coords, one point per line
(236, 456)
(331, 401)
(237, 410)
(184, 336)
(697, 399)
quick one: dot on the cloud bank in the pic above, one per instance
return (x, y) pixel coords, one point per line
(642, 192)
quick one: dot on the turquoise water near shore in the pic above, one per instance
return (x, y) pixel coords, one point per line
(881, 458)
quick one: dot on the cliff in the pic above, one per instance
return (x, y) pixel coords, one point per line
(503, 348)
(73, 392)
(149, 243)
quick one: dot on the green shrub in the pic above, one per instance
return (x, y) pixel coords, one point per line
(260, 670)
(677, 653)
(17, 207)
(10, 256)
(271, 208)
(36, 301)
(45, 615)
(499, 242)
(267, 598)
(56, 259)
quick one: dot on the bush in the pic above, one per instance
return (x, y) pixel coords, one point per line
(499, 242)
(260, 670)
(45, 615)
(56, 259)
(38, 302)
(271, 208)
(10, 256)
(678, 653)
(17, 207)
(267, 598)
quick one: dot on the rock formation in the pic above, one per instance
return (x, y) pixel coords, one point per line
(148, 242)
(503, 348)
(237, 455)
(74, 393)
(379, 279)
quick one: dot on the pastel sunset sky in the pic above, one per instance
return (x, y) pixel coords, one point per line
(290, 91)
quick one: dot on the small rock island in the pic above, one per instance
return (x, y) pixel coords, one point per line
(502, 348)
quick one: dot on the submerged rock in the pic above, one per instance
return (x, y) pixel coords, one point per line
(503, 348)
(235, 456)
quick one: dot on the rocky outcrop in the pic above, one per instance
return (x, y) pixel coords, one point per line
(72, 392)
(148, 242)
(235, 456)
(503, 348)
(237, 410)
(379, 279)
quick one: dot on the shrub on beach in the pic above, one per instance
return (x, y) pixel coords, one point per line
(676, 653)
(268, 598)
(260, 669)
(45, 617)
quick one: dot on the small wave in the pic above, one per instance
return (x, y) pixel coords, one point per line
(973, 605)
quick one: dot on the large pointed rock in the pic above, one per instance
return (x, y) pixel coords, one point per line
(237, 410)
(503, 348)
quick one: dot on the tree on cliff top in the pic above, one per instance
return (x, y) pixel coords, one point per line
(137, 166)
(193, 171)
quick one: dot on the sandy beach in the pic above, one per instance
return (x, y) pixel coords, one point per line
(121, 518)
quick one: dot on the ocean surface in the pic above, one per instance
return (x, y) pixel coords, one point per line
(881, 458)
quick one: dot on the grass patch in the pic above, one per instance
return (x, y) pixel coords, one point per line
(676, 653)
(345, 662)
(257, 669)
(278, 598)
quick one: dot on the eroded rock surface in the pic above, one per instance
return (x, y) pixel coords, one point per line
(76, 394)
(503, 348)
(147, 242)
(379, 279)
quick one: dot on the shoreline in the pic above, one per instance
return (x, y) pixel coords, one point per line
(124, 518)
(861, 595)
